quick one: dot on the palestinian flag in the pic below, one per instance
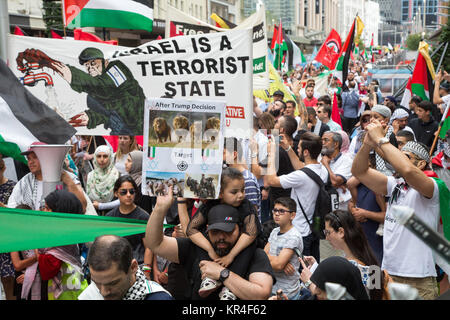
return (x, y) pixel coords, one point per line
(423, 74)
(341, 70)
(294, 54)
(371, 51)
(421, 81)
(445, 123)
(280, 48)
(123, 14)
(26, 119)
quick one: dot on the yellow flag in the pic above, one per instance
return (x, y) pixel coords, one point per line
(359, 26)
(424, 50)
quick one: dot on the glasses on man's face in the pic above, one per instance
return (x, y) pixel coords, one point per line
(280, 211)
(326, 232)
(124, 192)
(320, 104)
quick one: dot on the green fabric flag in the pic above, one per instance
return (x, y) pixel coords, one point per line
(27, 229)
(444, 202)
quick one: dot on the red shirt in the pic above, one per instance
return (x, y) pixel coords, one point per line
(310, 103)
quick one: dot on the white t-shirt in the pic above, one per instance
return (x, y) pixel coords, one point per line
(291, 239)
(404, 254)
(305, 190)
(446, 100)
(342, 166)
(120, 164)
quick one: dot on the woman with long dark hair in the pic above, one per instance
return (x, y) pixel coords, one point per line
(346, 234)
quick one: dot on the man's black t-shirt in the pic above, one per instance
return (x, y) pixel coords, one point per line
(135, 240)
(284, 167)
(188, 256)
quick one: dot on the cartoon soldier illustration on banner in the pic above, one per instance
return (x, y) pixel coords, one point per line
(114, 97)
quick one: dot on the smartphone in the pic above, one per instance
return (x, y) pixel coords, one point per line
(300, 255)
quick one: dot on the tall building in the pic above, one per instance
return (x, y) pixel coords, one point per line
(391, 29)
(284, 10)
(416, 8)
(368, 11)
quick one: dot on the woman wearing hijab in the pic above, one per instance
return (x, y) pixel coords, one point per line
(100, 181)
(133, 166)
(337, 270)
(57, 273)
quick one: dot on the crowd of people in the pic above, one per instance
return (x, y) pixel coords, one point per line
(258, 239)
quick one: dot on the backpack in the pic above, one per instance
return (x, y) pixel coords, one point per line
(327, 201)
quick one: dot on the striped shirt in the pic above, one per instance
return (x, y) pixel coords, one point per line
(252, 190)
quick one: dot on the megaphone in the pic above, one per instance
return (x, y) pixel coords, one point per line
(51, 158)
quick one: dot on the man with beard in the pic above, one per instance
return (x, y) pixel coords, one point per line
(223, 232)
(405, 257)
(115, 275)
(339, 165)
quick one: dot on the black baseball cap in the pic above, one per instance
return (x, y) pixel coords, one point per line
(278, 93)
(223, 217)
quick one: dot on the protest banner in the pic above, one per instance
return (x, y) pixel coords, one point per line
(183, 144)
(109, 98)
(180, 23)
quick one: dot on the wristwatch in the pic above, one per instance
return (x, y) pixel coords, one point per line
(382, 141)
(307, 283)
(224, 274)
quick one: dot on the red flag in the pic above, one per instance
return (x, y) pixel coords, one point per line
(335, 111)
(18, 31)
(55, 35)
(274, 37)
(79, 34)
(329, 51)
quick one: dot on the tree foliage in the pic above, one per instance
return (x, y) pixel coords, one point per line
(413, 40)
(52, 15)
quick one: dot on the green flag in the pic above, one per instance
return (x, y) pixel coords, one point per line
(27, 229)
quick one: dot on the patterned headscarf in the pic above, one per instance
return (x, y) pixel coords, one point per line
(100, 182)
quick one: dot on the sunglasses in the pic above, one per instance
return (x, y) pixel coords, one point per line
(123, 192)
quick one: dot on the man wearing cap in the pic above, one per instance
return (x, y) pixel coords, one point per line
(114, 97)
(29, 189)
(382, 114)
(223, 232)
(405, 257)
(390, 102)
(399, 120)
(277, 95)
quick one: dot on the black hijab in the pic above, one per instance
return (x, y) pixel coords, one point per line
(64, 201)
(340, 270)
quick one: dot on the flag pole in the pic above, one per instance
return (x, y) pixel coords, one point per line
(444, 117)
(279, 44)
(64, 18)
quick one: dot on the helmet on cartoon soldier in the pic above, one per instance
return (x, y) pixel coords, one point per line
(90, 54)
